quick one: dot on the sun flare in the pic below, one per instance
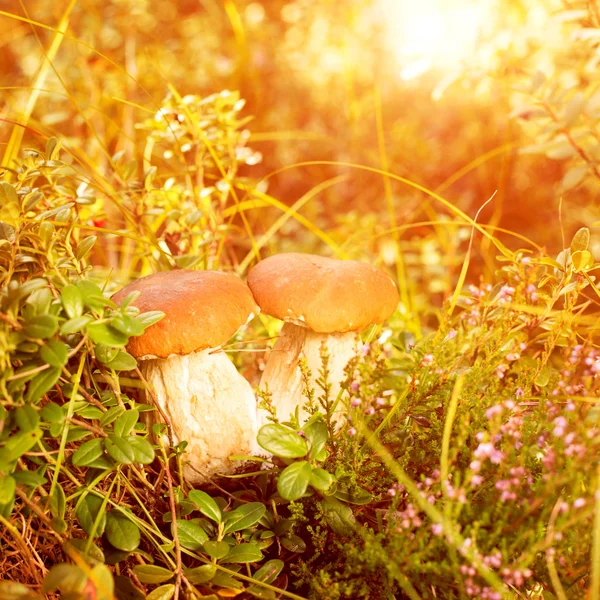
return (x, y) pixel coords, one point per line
(428, 34)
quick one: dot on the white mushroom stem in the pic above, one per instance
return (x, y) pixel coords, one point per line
(209, 405)
(282, 373)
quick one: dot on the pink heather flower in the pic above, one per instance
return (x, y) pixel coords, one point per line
(380, 402)
(491, 412)
(354, 386)
(355, 402)
(513, 356)
(560, 425)
(523, 346)
(437, 529)
(510, 404)
(391, 492)
(427, 360)
(579, 503)
(450, 335)
(484, 450)
(476, 480)
(501, 371)
(351, 431)
(475, 466)
(364, 349)
(370, 411)
(519, 393)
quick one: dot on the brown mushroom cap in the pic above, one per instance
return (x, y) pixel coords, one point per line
(325, 294)
(203, 309)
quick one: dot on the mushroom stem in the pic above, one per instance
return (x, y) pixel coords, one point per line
(210, 405)
(282, 373)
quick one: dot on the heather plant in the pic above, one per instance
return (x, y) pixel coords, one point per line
(489, 432)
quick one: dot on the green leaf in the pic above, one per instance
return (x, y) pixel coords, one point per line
(125, 422)
(55, 353)
(30, 478)
(581, 240)
(67, 578)
(41, 383)
(101, 333)
(127, 325)
(294, 480)
(338, 515)
(293, 543)
(8, 194)
(152, 573)
(77, 433)
(88, 452)
(105, 354)
(269, 571)
(353, 495)
(7, 232)
(143, 452)
(582, 260)
(243, 553)
(317, 435)
(207, 506)
(101, 577)
(118, 449)
(321, 479)
(92, 295)
(111, 415)
(74, 325)
(20, 443)
(121, 532)
(41, 326)
(164, 592)
(573, 177)
(201, 574)
(84, 246)
(281, 441)
(10, 590)
(72, 301)
(26, 417)
(87, 513)
(216, 549)
(191, 535)
(123, 361)
(225, 580)
(58, 503)
(543, 377)
(8, 485)
(53, 413)
(244, 516)
(150, 317)
(80, 547)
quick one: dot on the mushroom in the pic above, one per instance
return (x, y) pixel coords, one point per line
(208, 403)
(321, 301)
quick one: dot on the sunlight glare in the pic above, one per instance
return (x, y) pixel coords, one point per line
(428, 34)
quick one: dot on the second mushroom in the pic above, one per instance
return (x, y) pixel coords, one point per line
(321, 301)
